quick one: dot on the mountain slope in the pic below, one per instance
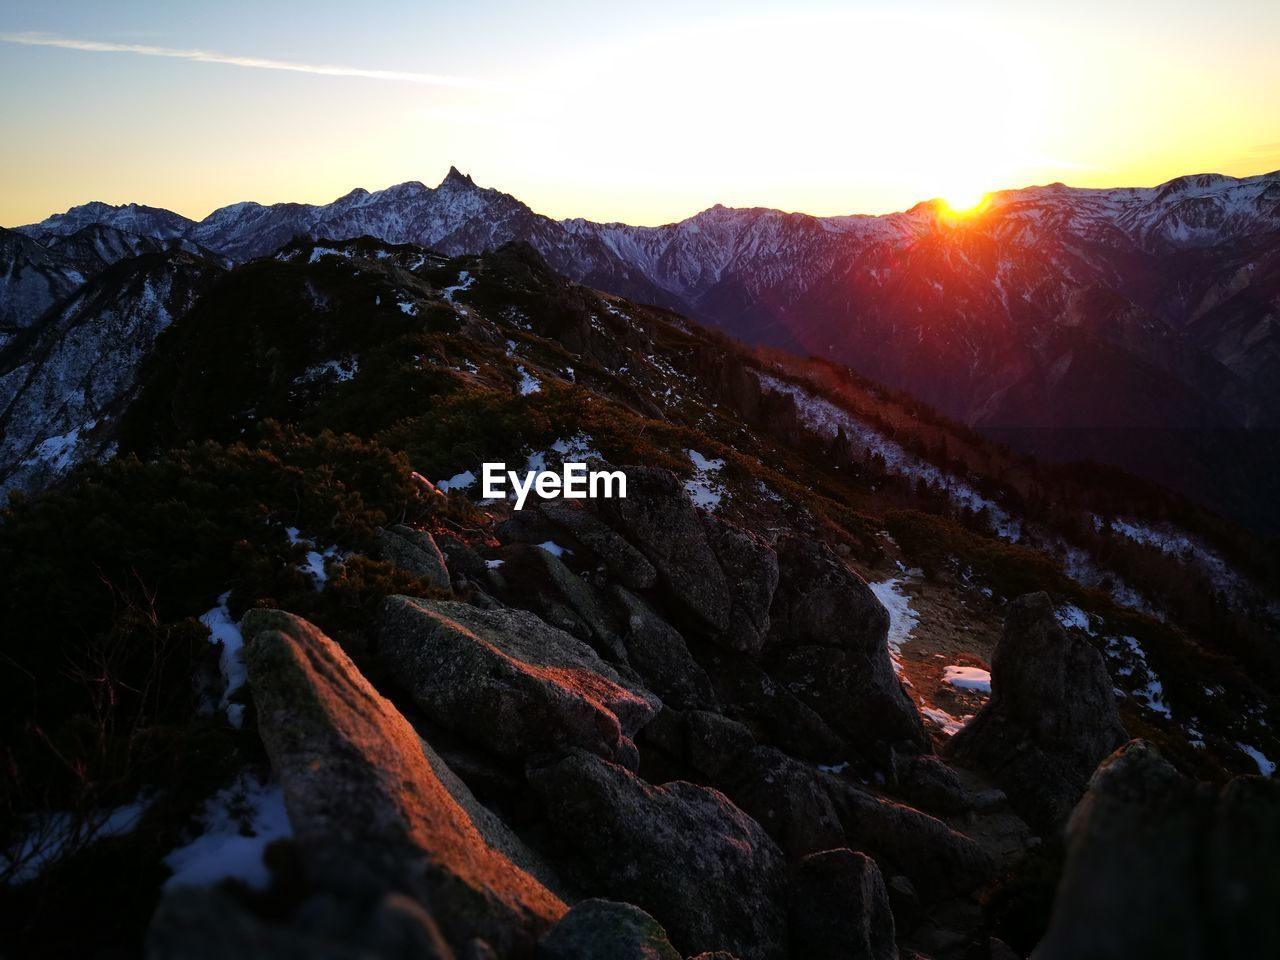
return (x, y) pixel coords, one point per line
(1137, 326)
(63, 383)
(759, 656)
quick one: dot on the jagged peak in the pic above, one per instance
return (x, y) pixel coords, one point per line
(458, 178)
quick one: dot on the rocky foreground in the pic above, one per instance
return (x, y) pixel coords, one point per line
(700, 747)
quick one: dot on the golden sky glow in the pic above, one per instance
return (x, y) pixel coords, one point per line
(643, 117)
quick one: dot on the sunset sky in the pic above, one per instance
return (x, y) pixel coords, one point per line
(644, 114)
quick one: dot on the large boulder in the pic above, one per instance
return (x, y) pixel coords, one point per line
(840, 908)
(1159, 866)
(373, 810)
(786, 797)
(415, 551)
(806, 809)
(773, 713)
(658, 517)
(193, 923)
(625, 563)
(829, 634)
(657, 652)
(938, 860)
(751, 570)
(684, 853)
(1051, 718)
(540, 581)
(857, 693)
(820, 602)
(606, 930)
(507, 680)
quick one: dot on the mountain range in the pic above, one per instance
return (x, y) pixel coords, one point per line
(1139, 327)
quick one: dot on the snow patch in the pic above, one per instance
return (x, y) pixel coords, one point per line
(239, 822)
(554, 548)
(224, 630)
(704, 488)
(902, 619)
(459, 481)
(967, 678)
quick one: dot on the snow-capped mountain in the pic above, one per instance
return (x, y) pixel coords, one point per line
(61, 390)
(1074, 322)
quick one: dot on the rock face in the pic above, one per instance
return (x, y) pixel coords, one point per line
(624, 562)
(659, 655)
(807, 810)
(821, 602)
(415, 551)
(1051, 718)
(507, 680)
(605, 930)
(776, 716)
(751, 570)
(684, 853)
(786, 797)
(658, 517)
(1158, 866)
(829, 634)
(840, 908)
(368, 804)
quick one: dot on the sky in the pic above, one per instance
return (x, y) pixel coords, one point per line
(644, 113)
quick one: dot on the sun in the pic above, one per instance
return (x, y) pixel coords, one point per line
(964, 200)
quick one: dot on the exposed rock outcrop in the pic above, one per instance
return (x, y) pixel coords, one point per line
(624, 562)
(372, 810)
(774, 714)
(1051, 718)
(507, 680)
(807, 810)
(1159, 866)
(658, 653)
(415, 551)
(829, 634)
(840, 908)
(658, 517)
(684, 853)
(606, 930)
(751, 570)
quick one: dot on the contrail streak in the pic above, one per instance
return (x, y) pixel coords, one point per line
(260, 63)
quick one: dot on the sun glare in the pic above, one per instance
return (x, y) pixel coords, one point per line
(964, 201)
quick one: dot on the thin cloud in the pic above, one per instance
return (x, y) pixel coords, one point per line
(259, 63)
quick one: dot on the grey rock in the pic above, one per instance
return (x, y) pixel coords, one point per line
(786, 797)
(1051, 718)
(560, 592)
(905, 903)
(606, 930)
(830, 634)
(1160, 866)
(929, 783)
(624, 562)
(840, 909)
(819, 601)
(507, 680)
(857, 694)
(938, 860)
(807, 810)
(659, 655)
(461, 558)
(195, 923)
(774, 714)
(684, 853)
(751, 570)
(414, 551)
(373, 813)
(658, 517)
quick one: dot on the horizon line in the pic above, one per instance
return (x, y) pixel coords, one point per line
(817, 216)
